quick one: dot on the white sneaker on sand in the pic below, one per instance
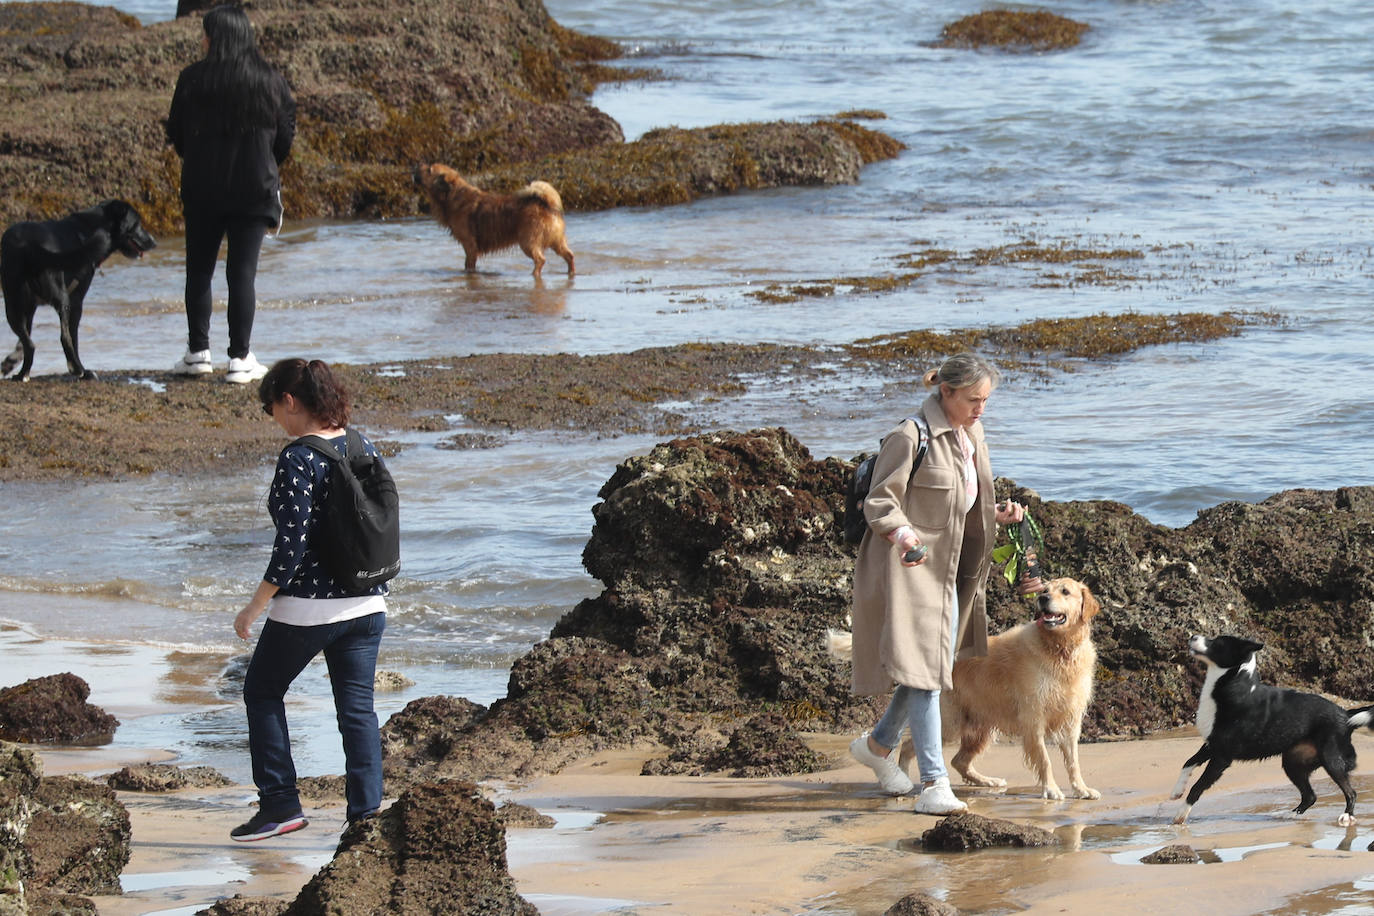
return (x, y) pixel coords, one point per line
(939, 798)
(243, 371)
(891, 779)
(195, 362)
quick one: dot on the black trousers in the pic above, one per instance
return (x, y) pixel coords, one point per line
(204, 233)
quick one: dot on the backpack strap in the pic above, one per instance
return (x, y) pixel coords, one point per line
(922, 441)
(353, 442)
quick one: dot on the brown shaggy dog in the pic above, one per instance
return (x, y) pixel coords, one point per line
(482, 221)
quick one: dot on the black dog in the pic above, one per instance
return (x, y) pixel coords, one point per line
(1242, 719)
(54, 262)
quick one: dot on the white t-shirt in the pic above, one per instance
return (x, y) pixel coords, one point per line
(312, 612)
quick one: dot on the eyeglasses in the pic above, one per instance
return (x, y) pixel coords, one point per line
(269, 407)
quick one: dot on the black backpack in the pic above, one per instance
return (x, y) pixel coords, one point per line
(359, 527)
(856, 490)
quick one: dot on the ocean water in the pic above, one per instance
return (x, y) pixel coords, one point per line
(1230, 146)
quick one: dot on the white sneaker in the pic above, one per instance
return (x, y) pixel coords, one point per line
(939, 798)
(891, 779)
(195, 362)
(243, 371)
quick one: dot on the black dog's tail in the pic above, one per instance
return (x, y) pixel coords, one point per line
(1362, 717)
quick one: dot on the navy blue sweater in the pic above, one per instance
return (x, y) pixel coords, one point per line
(300, 485)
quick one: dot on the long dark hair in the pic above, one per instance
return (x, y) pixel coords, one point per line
(313, 385)
(235, 80)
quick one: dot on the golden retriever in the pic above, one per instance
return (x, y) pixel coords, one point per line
(483, 222)
(1035, 683)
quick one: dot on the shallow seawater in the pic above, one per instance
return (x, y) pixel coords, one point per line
(1228, 146)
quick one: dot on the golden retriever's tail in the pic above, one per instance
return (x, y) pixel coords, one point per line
(839, 644)
(545, 192)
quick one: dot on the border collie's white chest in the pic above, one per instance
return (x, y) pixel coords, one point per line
(1207, 704)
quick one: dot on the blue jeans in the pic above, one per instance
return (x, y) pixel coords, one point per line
(283, 651)
(919, 710)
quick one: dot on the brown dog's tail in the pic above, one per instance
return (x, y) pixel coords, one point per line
(544, 192)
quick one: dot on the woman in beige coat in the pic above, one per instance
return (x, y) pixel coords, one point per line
(913, 617)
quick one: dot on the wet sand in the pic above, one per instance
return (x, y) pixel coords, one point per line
(825, 843)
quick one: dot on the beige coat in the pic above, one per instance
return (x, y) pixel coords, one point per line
(903, 614)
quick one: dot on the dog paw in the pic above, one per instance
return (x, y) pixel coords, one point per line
(986, 782)
(1051, 793)
(1345, 820)
(1085, 792)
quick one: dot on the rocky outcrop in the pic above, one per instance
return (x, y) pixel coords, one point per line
(965, 832)
(164, 777)
(78, 838)
(440, 848)
(677, 165)
(1178, 854)
(1013, 30)
(486, 87)
(60, 838)
(763, 745)
(20, 773)
(378, 88)
(53, 709)
(921, 905)
(723, 566)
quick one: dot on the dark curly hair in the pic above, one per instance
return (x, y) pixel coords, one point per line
(312, 384)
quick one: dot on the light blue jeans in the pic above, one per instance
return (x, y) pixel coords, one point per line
(918, 710)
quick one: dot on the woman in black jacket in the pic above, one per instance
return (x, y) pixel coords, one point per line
(232, 122)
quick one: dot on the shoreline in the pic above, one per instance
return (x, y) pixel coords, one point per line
(824, 843)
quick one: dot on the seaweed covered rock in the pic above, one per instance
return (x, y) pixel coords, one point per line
(20, 773)
(1177, 854)
(53, 710)
(964, 832)
(441, 848)
(239, 905)
(763, 745)
(79, 837)
(485, 87)
(1013, 30)
(723, 566)
(675, 165)
(378, 88)
(1295, 571)
(61, 837)
(921, 905)
(165, 777)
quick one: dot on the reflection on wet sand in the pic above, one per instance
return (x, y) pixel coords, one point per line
(826, 844)
(830, 845)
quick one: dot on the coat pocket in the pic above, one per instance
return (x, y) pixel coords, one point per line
(932, 499)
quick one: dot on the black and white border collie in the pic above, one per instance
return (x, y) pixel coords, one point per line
(1242, 719)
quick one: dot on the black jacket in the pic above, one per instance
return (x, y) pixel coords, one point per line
(229, 171)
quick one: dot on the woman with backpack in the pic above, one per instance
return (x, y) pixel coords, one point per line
(310, 608)
(921, 574)
(232, 122)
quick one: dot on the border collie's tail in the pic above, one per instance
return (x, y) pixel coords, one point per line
(1361, 718)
